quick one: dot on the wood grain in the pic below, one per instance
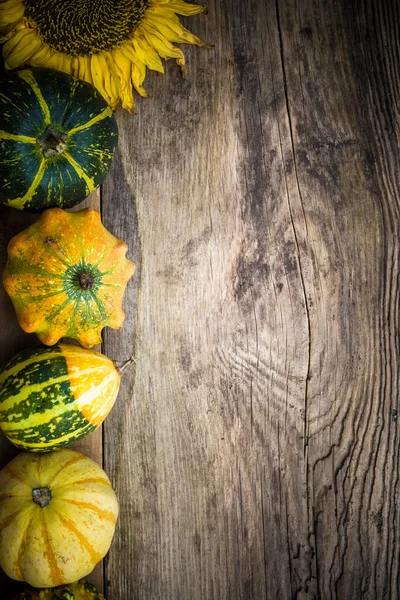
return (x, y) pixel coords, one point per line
(209, 454)
(254, 446)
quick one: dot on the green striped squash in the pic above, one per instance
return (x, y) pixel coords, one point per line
(51, 397)
(57, 138)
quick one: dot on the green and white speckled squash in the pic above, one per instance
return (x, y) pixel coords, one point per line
(52, 397)
(57, 138)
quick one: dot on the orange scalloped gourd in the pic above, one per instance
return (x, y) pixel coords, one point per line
(66, 276)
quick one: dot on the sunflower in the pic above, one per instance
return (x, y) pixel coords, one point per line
(108, 43)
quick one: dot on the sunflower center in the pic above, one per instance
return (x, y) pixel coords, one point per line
(82, 27)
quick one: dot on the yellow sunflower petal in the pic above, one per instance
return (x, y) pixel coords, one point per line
(137, 80)
(74, 65)
(138, 74)
(124, 68)
(174, 31)
(18, 50)
(113, 82)
(42, 57)
(138, 69)
(60, 62)
(98, 67)
(81, 68)
(6, 34)
(10, 4)
(11, 11)
(103, 78)
(147, 55)
(164, 48)
(183, 8)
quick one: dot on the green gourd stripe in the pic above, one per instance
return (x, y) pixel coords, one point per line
(59, 308)
(17, 138)
(45, 295)
(54, 254)
(80, 172)
(41, 274)
(18, 363)
(38, 410)
(28, 393)
(42, 396)
(53, 435)
(99, 261)
(100, 307)
(8, 101)
(38, 355)
(107, 112)
(29, 78)
(19, 203)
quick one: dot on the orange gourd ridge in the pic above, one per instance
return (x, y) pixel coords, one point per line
(66, 276)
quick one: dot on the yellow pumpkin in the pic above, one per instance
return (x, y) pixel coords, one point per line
(57, 517)
(74, 591)
(66, 276)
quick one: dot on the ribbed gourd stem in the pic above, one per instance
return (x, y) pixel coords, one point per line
(42, 496)
(52, 142)
(86, 281)
(122, 366)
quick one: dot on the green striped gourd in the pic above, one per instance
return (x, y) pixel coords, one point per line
(57, 138)
(51, 397)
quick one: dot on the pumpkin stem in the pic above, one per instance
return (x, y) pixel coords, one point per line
(52, 142)
(86, 281)
(42, 496)
(121, 368)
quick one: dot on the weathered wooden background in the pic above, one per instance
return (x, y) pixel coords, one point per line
(255, 446)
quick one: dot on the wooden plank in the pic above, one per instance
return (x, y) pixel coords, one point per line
(342, 68)
(254, 447)
(13, 340)
(206, 443)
